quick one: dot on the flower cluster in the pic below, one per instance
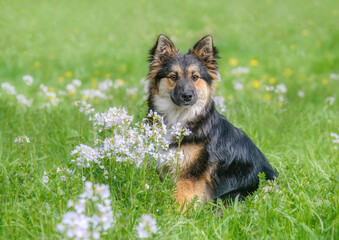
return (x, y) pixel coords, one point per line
(9, 88)
(146, 227)
(78, 224)
(240, 70)
(330, 100)
(28, 80)
(84, 107)
(180, 131)
(50, 95)
(115, 117)
(85, 156)
(23, 100)
(21, 139)
(280, 89)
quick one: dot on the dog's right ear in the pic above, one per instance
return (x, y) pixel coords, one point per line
(162, 49)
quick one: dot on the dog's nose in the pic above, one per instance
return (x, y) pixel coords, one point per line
(187, 97)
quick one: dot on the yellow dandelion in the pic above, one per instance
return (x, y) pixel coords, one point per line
(287, 72)
(216, 84)
(51, 89)
(233, 62)
(272, 80)
(107, 75)
(37, 64)
(305, 32)
(61, 79)
(254, 62)
(71, 93)
(267, 96)
(324, 81)
(94, 83)
(292, 47)
(256, 84)
(84, 97)
(68, 74)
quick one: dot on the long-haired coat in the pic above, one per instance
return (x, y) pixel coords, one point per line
(220, 160)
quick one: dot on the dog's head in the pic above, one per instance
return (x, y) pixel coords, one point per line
(185, 80)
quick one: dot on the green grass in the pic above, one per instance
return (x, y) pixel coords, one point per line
(294, 42)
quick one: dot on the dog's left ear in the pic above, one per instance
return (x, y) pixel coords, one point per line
(205, 51)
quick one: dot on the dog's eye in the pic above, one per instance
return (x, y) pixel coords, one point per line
(173, 77)
(195, 77)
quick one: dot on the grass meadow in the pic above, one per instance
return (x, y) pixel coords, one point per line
(279, 82)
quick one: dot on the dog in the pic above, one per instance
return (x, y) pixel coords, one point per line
(220, 161)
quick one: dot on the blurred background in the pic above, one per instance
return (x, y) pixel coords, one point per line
(110, 39)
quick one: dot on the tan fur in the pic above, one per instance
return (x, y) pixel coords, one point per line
(187, 189)
(191, 153)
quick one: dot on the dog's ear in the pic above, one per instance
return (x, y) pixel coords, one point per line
(205, 51)
(162, 49)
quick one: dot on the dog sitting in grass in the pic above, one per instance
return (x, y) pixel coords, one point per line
(220, 160)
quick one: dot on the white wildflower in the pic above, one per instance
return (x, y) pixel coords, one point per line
(9, 88)
(179, 131)
(281, 88)
(24, 101)
(146, 186)
(105, 85)
(131, 91)
(301, 94)
(84, 107)
(93, 93)
(146, 227)
(77, 225)
(330, 100)
(269, 88)
(28, 80)
(238, 85)
(113, 118)
(71, 88)
(21, 139)
(45, 179)
(76, 82)
(240, 70)
(118, 83)
(334, 76)
(85, 156)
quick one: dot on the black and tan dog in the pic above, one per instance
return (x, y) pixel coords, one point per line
(220, 160)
